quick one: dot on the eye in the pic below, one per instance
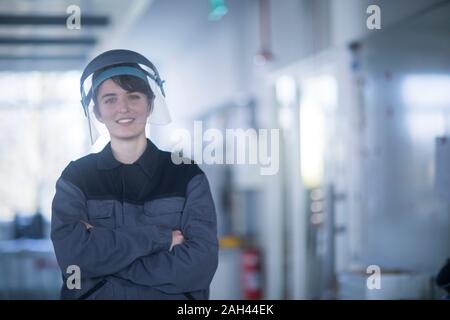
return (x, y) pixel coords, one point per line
(110, 100)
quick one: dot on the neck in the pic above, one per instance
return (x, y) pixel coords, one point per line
(128, 150)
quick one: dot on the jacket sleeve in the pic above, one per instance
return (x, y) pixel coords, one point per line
(191, 265)
(98, 251)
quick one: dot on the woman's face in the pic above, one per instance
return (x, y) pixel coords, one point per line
(123, 113)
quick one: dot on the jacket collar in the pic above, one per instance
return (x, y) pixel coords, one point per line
(148, 161)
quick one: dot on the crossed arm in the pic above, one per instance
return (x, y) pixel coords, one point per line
(139, 254)
(191, 265)
(177, 236)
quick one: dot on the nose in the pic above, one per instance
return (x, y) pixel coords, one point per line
(123, 106)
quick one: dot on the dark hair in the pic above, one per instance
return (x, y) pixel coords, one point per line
(126, 82)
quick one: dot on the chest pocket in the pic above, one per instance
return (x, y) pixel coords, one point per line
(165, 212)
(101, 213)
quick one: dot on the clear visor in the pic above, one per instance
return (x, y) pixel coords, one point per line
(125, 109)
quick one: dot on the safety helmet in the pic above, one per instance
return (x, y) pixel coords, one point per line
(115, 63)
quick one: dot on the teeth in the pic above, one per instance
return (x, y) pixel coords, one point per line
(127, 120)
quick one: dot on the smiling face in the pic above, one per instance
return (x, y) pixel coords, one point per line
(123, 112)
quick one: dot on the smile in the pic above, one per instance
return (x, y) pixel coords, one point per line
(125, 121)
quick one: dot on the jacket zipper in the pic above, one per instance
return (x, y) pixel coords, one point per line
(95, 288)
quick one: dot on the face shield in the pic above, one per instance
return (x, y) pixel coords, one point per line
(122, 63)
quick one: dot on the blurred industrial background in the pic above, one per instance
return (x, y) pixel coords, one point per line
(363, 114)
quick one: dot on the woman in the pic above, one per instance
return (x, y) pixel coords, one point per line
(136, 225)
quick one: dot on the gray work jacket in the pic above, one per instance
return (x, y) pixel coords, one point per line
(134, 208)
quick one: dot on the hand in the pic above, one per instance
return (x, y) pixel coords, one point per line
(88, 226)
(177, 238)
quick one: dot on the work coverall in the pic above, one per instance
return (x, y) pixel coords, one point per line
(133, 209)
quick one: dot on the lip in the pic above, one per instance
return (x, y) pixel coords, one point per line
(125, 124)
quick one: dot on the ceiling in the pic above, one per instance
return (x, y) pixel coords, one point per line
(34, 33)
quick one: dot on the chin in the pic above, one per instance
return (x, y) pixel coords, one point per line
(127, 135)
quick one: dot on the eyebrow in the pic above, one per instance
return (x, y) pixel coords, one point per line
(108, 95)
(113, 94)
